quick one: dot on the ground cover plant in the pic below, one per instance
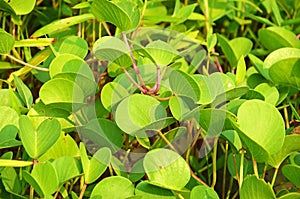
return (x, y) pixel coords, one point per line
(149, 99)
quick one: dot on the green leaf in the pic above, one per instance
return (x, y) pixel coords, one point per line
(183, 84)
(24, 92)
(234, 165)
(65, 168)
(116, 187)
(148, 191)
(180, 106)
(211, 41)
(8, 117)
(74, 45)
(72, 67)
(6, 65)
(206, 93)
(291, 172)
(102, 133)
(160, 166)
(22, 7)
(113, 50)
(124, 15)
(112, 94)
(282, 36)
(130, 117)
(7, 42)
(202, 191)
(161, 52)
(4, 6)
(241, 47)
(290, 145)
(227, 49)
(269, 92)
(43, 178)
(61, 24)
(8, 137)
(233, 138)
(275, 65)
(37, 141)
(258, 64)
(240, 71)
(65, 146)
(291, 195)
(34, 42)
(235, 48)
(256, 188)
(62, 93)
(65, 63)
(217, 9)
(93, 168)
(262, 138)
(11, 181)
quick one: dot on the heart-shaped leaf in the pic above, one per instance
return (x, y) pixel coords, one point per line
(43, 179)
(65, 146)
(161, 52)
(148, 191)
(102, 133)
(180, 106)
(256, 188)
(292, 173)
(138, 111)
(184, 85)
(11, 181)
(262, 138)
(270, 93)
(282, 36)
(7, 42)
(93, 168)
(65, 168)
(69, 63)
(112, 93)
(24, 92)
(37, 141)
(160, 166)
(112, 49)
(74, 45)
(22, 7)
(201, 191)
(275, 64)
(235, 49)
(62, 93)
(8, 137)
(116, 187)
(290, 145)
(125, 15)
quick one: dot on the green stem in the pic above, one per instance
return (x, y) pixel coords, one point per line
(235, 168)
(26, 64)
(274, 176)
(255, 167)
(214, 161)
(206, 14)
(225, 170)
(242, 168)
(229, 188)
(166, 140)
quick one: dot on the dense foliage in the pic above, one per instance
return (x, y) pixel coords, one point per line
(149, 99)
